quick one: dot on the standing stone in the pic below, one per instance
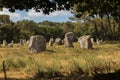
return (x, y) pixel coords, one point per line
(85, 42)
(11, 44)
(21, 42)
(92, 40)
(81, 41)
(27, 41)
(37, 44)
(99, 42)
(68, 40)
(58, 41)
(12, 41)
(24, 41)
(51, 41)
(88, 43)
(4, 43)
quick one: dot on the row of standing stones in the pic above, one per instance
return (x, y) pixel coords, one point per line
(5, 43)
(37, 43)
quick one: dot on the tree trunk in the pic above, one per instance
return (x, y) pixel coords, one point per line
(95, 27)
(119, 25)
(114, 38)
(102, 31)
(109, 26)
(96, 31)
(118, 28)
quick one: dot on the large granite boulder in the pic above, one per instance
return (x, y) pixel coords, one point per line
(37, 44)
(85, 42)
(68, 40)
(4, 43)
(51, 41)
(21, 42)
(11, 44)
(81, 41)
(58, 41)
(92, 40)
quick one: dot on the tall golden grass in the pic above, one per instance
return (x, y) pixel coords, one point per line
(22, 64)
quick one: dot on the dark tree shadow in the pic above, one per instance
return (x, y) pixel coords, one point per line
(13, 79)
(51, 51)
(75, 75)
(108, 76)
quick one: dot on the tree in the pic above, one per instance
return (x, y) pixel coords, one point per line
(7, 28)
(46, 6)
(68, 26)
(83, 9)
(8, 32)
(4, 19)
(90, 9)
(27, 28)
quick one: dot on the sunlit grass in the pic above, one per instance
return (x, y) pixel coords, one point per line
(103, 59)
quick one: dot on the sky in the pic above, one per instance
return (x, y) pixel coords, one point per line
(57, 16)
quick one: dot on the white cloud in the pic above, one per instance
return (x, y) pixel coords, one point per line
(26, 18)
(34, 14)
(13, 16)
(59, 13)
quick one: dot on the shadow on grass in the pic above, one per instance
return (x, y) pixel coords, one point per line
(51, 51)
(76, 75)
(108, 76)
(12, 79)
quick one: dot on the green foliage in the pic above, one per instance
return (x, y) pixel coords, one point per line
(15, 64)
(4, 19)
(25, 28)
(99, 8)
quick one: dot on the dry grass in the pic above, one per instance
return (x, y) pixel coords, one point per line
(22, 64)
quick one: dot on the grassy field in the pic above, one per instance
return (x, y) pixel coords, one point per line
(60, 63)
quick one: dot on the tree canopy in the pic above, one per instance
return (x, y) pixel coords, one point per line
(93, 7)
(101, 8)
(105, 10)
(39, 5)
(81, 8)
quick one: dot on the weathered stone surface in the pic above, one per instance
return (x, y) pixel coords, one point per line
(4, 43)
(11, 44)
(68, 40)
(24, 41)
(81, 41)
(37, 44)
(92, 40)
(85, 42)
(99, 42)
(21, 42)
(58, 41)
(51, 41)
(27, 41)
(12, 41)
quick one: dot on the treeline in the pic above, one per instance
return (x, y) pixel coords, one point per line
(24, 29)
